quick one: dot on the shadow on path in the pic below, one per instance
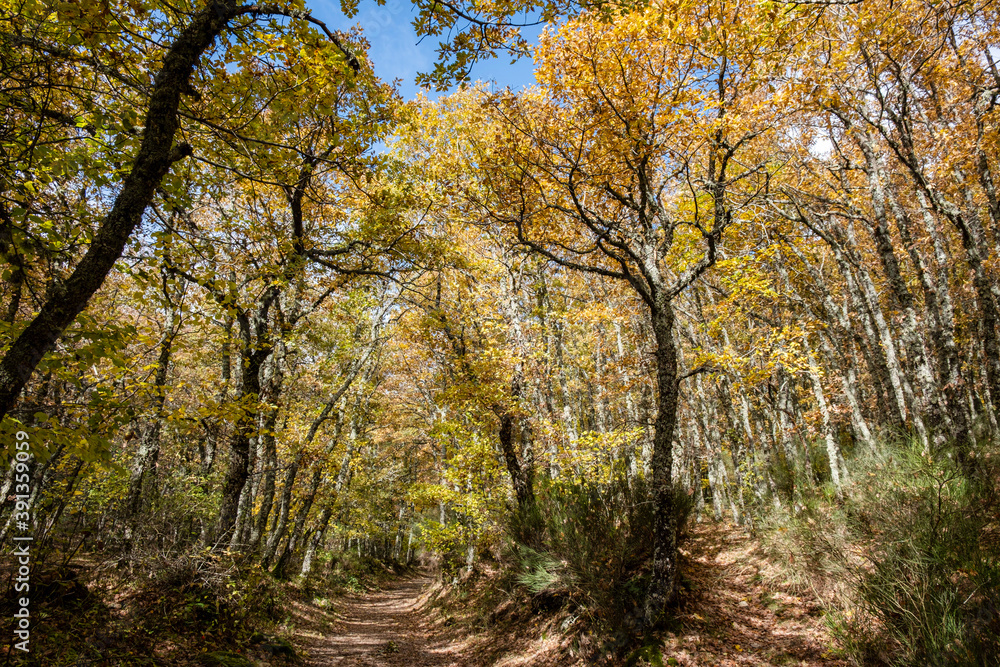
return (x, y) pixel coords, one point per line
(390, 627)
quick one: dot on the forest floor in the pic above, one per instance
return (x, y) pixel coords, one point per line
(733, 615)
(738, 611)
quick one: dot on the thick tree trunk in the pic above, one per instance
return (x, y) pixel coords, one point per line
(664, 574)
(239, 446)
(244, 508)
(152, 162)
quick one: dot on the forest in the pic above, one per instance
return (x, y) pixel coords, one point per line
(686, 353)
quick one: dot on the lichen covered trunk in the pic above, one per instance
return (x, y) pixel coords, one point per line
(664, 574)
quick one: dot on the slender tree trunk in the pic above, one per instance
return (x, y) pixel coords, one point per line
(149, 444)
(44, 533)
(267, 449)
(848, 381)
(268, 455)
(284, 507)
(913, 343)
(278, 533)
(316, 539)
(830, 312)
(973, 241)
(569, 425)
(40, 477)
(937, 303)
(832, 448)
(298, 529)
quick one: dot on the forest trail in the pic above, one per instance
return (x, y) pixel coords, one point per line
(386, 628)
(734, 614)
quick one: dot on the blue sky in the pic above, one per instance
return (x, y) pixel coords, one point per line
(396, 53)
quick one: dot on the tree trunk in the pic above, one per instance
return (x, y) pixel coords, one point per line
(913, 342)
(520, 476)
(832, 448)
(152, 162)
(239, 447)
(268, 455)
(343, 479)
(315, 540)
(937, 303)
(664, 574)
(149, 445)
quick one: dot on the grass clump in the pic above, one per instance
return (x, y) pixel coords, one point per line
(908, 559)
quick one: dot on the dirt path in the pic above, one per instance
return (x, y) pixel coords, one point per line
(729, 616)
(390, 628)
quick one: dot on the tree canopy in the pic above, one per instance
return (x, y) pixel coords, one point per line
(718, 255)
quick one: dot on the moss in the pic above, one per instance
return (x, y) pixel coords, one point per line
(223, 659)
(646, 655)
(280, 648)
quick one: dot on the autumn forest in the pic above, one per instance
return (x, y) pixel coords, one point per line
(686, 353)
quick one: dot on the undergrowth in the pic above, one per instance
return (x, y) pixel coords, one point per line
(348, 573)
(591, 549)
(907, 559)
(204, 605)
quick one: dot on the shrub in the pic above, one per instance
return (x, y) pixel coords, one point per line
(211, 594)
(350, 573)
(593, 543)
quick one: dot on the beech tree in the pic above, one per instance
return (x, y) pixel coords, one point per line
(267, 307)
(102, 48)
